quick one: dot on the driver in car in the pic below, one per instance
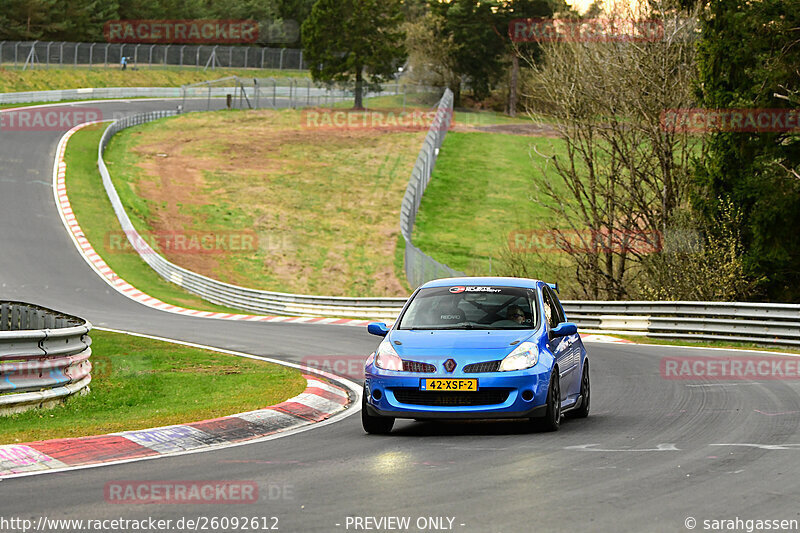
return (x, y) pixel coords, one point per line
(515, 314)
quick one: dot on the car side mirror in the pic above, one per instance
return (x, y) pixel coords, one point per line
(562, 330)
(378, 328)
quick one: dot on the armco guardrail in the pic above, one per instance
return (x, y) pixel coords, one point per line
(258, 92)
(739, 322)
(419, 266)
(89, 94)
(44, 356)
(252, 300)
(283, 88)
(746, 322)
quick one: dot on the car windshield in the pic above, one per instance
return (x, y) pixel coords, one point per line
(471, 307)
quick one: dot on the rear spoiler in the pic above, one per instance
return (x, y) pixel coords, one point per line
(553, 286)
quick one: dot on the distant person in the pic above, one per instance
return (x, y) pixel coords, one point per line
(124, 62)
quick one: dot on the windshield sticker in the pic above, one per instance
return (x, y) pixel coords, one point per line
(458, 289)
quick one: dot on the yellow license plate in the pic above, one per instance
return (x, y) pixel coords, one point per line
(449, 384)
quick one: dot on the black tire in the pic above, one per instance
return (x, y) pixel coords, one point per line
(552, 418)
(586, 394)
(374, 425)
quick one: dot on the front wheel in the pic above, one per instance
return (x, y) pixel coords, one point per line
(583, 410)
(552, 417)
(374, 425)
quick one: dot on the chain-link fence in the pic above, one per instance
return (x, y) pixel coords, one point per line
(35, 54)
(260, 93)
(419, 266)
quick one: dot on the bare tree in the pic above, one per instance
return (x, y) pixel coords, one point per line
(793, 97)
(625, 171)
(430, 57)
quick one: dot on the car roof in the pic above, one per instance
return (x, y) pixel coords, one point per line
(483, 281)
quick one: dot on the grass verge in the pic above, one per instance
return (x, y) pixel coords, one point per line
(98, 221)
(12, 80)
(322, 202)
(140, 383)
(479, 195)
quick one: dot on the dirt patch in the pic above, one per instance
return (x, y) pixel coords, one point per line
(323, 203)
(534, 130)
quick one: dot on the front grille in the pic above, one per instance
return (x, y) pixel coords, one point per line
(486, 366)
(414, 366)
(444, 399)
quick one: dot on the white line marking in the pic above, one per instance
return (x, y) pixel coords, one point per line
(591, 448)
(354, 408)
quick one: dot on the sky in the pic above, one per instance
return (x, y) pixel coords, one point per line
(582, 5)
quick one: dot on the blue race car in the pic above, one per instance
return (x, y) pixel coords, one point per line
(477, 348)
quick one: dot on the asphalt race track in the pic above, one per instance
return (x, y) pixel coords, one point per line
(653, 452)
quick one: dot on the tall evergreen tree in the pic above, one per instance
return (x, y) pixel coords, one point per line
(510, 11)
(28, 20)
(478, 30)
(354, 41)
(749, 53)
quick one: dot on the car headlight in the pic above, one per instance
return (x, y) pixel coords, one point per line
(524, 356)
(386, 358)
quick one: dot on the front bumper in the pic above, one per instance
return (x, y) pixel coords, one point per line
(382, 389)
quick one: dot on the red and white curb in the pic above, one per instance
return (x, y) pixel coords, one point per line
(591, 337)
(320, 401)
(109, 276)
